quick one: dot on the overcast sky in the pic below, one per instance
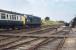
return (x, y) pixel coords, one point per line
(55, 9)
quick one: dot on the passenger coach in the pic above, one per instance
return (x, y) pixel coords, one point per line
(9, 19)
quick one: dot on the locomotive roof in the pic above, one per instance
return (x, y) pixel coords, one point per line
(10, 12)
(32, 16)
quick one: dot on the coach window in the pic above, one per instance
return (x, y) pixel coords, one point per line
(20, 17)
(2, 15)
(14, 17)
(10, 17)
(7, 16)
(17, 17)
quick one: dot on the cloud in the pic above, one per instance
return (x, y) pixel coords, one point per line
(55, 9)
(64, 0)
(35, 7)
(5, 4)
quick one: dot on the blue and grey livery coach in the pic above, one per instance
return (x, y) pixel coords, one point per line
(9, 19)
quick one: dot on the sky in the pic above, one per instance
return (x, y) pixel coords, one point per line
(55, 9)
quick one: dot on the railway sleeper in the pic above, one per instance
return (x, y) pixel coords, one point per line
(13, 44)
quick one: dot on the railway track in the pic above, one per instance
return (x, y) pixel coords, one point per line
(11, 42)
(55, 44)
(27, 30)
(27, 42)
(35, 32)
(50, 45)
(34, 44)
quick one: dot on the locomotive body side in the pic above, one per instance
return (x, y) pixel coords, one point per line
(33, 21)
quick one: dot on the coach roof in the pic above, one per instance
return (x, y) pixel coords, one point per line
(10, 12)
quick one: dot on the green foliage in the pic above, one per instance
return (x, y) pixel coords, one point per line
(61, 21)
(47, 18)
(49, 22)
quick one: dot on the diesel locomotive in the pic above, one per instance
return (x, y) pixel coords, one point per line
(9, 19)
(33, 21)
